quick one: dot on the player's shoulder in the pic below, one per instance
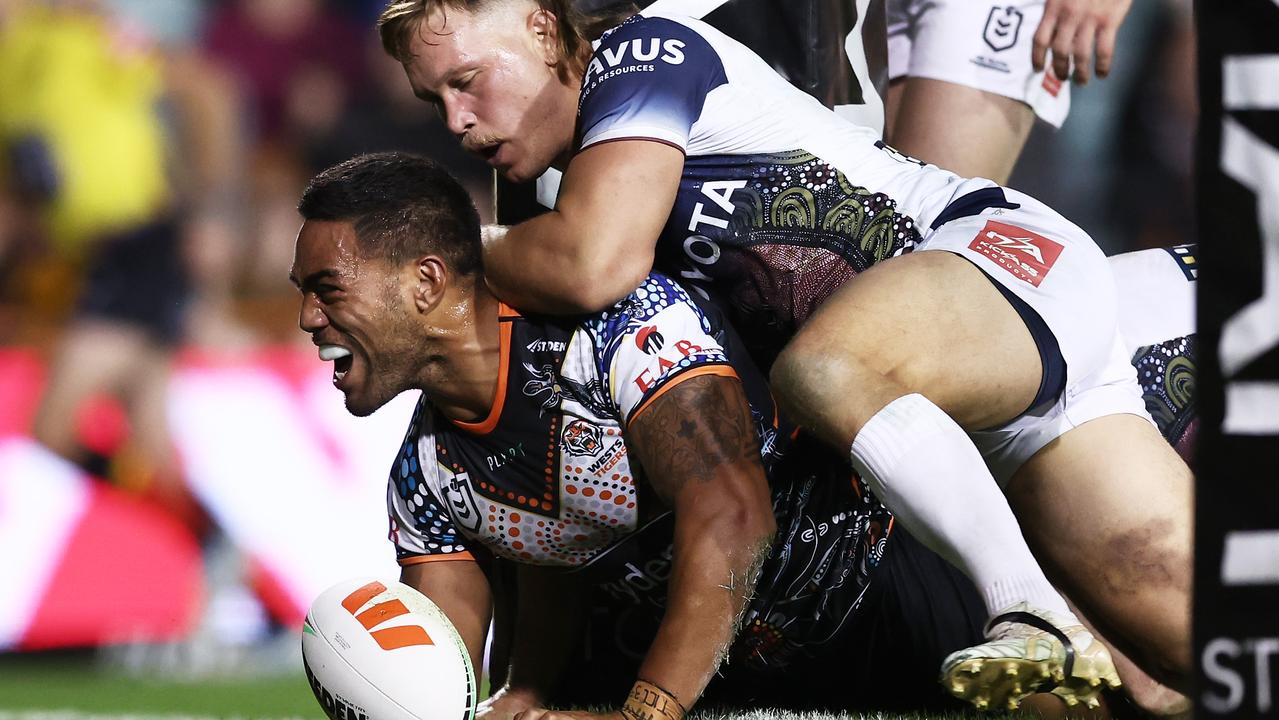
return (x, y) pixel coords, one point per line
(668, 40)
(647, 25)
(656, 295)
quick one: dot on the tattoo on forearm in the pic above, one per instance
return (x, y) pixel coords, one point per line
(691, 430)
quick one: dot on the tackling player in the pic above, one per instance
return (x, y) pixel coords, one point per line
(635, 442)
(681, 147)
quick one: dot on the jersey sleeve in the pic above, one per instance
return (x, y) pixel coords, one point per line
(421, 528)
(651, 341)
(647, 79)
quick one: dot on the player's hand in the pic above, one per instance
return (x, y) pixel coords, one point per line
(506, 703)
(540, 714)
(1074, 30)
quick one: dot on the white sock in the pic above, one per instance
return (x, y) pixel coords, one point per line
(923, 466)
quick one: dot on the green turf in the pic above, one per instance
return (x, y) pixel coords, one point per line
(75, 683)
(34, 686)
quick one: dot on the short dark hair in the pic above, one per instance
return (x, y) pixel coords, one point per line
(402, 206)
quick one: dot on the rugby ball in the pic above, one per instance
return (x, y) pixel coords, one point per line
(378, 650)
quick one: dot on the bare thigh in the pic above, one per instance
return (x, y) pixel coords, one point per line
(929, 322)
(1107, 510)
(970, 132)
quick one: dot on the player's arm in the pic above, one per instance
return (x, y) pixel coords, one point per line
(597, 245)
(549, 619)
(698, 447)
(460, 589)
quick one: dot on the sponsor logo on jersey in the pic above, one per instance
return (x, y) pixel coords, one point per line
(501, 459)
(608, 61)
(644, 584)
(1002, 26)
(1027, 255)
(648, 377)
(547, 346)
(702, 251)
(649, 340)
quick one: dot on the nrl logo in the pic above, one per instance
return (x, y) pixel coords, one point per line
(1001, 28)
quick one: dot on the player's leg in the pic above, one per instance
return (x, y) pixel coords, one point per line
(968, 131)
(1142, 690)
(964, 94)
(1107, 508)
(893, 364)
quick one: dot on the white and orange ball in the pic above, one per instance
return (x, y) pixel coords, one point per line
(377, 650)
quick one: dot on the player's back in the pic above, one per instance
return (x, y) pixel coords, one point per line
(780, 200)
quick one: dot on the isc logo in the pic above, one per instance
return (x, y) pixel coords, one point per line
(391, 638)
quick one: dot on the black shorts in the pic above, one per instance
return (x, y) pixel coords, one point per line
(138, 278)
(916, 611)
(887, 656)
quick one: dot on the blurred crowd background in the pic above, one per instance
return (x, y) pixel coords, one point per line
(152, 153)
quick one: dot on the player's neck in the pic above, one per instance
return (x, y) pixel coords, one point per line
(463, 368)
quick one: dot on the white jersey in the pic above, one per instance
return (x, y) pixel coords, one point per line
(773, 182)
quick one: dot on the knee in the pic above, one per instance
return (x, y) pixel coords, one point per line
(806, 377)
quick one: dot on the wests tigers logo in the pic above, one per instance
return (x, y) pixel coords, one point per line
(582, 438)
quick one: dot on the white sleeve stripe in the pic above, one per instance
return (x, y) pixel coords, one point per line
(638, 132)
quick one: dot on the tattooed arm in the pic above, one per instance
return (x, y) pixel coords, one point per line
(697, 445)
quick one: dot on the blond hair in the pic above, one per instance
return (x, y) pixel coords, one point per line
(574, 29)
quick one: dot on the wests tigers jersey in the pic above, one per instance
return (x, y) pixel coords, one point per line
(547, 477)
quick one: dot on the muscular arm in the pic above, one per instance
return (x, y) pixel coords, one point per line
(549, 620)
(699, 450)
(597, 244)
(459, 588)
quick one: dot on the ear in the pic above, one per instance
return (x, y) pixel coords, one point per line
(545, 31)
(431, 277)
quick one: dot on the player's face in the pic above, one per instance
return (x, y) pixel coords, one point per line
(492, 77)
(357, 314)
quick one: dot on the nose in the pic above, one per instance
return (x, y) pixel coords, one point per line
(458, 116)
(311, 317)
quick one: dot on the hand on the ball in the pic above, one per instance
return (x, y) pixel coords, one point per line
(543, 714)
(505, 704)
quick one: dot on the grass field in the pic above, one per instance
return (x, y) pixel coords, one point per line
(64, 686)
(75, 687)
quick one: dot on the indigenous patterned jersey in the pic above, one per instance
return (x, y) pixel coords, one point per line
(781, 200)
(547, 478)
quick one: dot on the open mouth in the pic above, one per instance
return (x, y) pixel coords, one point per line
(341, 358)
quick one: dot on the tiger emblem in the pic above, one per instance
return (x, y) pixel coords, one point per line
(582, 438)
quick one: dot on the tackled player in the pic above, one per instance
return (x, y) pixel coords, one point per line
(581, 448)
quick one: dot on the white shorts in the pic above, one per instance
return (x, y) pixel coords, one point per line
(976, 43)
(1060, 273)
